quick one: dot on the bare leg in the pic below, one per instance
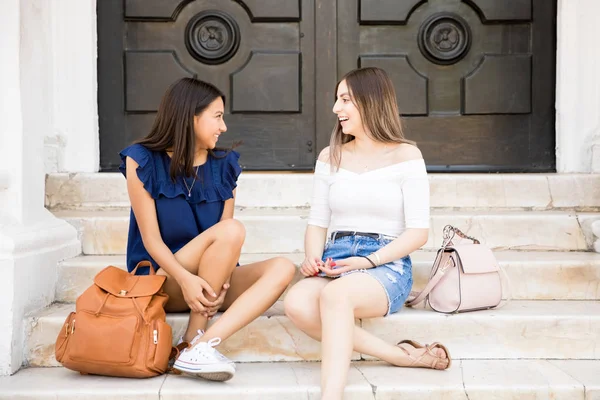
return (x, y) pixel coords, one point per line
(254, 288)
(341, 300)
(303, 307)
(211, 255)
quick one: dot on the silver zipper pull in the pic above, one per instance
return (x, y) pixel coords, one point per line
(155, 336)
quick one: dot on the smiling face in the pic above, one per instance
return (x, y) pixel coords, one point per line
(209, 124)
(346, 111)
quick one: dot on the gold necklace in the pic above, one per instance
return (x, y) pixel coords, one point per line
(189, 189)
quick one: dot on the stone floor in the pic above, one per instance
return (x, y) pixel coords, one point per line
(466, 379)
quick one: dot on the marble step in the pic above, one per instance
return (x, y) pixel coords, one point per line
(456, 191)
(282, 230)
(520, 329)
(533, 275)
(465, 380)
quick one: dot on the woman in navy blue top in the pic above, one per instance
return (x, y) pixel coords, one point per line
(182, 193)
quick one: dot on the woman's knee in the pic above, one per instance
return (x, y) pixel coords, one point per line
(333, 295)
(299, 307)
(231, 230)
(282, 270)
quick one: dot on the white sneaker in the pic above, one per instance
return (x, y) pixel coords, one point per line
(204, 361)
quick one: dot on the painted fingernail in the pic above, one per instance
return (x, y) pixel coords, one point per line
(333, 264)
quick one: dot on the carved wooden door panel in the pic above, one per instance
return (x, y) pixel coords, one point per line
(475, 78)
(260, 53)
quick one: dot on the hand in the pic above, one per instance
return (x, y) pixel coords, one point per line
(309, 266)
(220, 300)
(345, 265)
(193, 288)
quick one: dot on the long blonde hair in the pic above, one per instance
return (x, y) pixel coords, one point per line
(372, 92)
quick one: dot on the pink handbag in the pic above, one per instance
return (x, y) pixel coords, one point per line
(464, 277)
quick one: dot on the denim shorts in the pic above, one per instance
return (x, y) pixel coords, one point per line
(395, 277)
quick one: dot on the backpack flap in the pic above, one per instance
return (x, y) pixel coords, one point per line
(476, 258)
(122, 284)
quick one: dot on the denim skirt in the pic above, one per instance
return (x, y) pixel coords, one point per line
(395, 277)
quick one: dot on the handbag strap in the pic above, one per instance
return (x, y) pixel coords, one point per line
(415, 298)
(508, 288)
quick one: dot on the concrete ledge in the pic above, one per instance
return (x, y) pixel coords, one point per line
(533, 275)
(448, 191)
(282, 230)
(521, 329)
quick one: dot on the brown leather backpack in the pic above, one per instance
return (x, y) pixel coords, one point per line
(118, 327)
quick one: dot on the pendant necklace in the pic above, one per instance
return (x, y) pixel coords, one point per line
(189, 188)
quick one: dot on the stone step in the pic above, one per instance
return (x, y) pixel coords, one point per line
(456, 191)
(533, 275)
(282, 230)
(521, 329)
(465, 380)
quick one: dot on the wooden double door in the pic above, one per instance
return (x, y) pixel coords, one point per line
(474, 78)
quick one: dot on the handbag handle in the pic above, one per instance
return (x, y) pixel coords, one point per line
(144, 263)
(450, 231)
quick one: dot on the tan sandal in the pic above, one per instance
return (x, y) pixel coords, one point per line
(412, 343)
(435, 359)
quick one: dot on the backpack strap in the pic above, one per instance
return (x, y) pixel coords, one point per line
(175, 351)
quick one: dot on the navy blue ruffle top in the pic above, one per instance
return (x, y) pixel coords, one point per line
(180, 217)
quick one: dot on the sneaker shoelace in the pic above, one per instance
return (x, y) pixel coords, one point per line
(198, 337)
(207, 349)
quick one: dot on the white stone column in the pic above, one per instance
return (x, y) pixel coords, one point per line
(72, 143)
(578, 87)
(32, 240)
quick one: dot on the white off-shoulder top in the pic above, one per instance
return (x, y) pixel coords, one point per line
(387, 200)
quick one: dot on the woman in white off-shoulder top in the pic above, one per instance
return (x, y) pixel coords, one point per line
(369, 211)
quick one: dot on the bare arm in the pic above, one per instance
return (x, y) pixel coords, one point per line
(320, 214)
(410, 240)
(228, 208)
(314, 240)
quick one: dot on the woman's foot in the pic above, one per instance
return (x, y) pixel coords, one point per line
(202, 360)
(434, 356)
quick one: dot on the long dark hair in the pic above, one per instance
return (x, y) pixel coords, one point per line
(373, 93)
(173, 126)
